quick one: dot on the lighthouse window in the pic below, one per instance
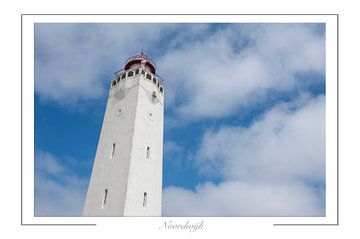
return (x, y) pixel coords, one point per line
(147, 152)
(131, 73)
(161, 89)
(142, 72)
(137, 71)
(112, 151)
(154, 80)
(114, 83)
(118, 112)
(148, 76)
(150, 116)
(145, 200)
(123, 76)
(118, 79)
(104, 198)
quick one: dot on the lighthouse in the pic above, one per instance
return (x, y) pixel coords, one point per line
(126, 178)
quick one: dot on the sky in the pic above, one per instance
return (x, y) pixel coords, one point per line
(244, 114)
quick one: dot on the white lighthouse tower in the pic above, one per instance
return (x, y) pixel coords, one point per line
(126, 179)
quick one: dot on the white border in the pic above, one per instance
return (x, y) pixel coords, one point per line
(151, 224)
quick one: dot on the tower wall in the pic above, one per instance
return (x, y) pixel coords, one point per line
(133, 121)
(145, 173)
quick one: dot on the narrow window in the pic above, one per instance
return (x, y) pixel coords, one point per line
(131, 73)
(161, 89)
(147, 152)
(142, 72)
(153, 97)
(154, 80)
(148, 76)
(112, 151)
(123, 76)
(118, 79)
(114, 83)
(118, 112)
(104, 198)
(137, 71)
(145, 200)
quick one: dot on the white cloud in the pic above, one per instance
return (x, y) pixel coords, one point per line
(48, 164)
(74, 60)
(171, 147)
(58, 190)
(274, 167)
(286, 142)
(236, 66)
(174, 154)
(207, 72)
(237, 198)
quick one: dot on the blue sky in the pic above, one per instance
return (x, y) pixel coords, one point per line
(244, 116)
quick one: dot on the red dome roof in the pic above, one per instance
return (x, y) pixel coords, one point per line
(141, 59)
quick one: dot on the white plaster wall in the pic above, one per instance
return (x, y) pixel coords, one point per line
(128, 174)
(145, 175)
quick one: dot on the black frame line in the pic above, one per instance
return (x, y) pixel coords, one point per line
(176, 14)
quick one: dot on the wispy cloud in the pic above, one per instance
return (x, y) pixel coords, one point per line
(237, 65)
(275, 167)
(289, 140)
(58, 190)
(229, 65)
(171, 147)
(74, 61)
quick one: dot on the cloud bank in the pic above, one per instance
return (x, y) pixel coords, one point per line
(74, 62)
(229, 65)
(276, 167)
(238, 65)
